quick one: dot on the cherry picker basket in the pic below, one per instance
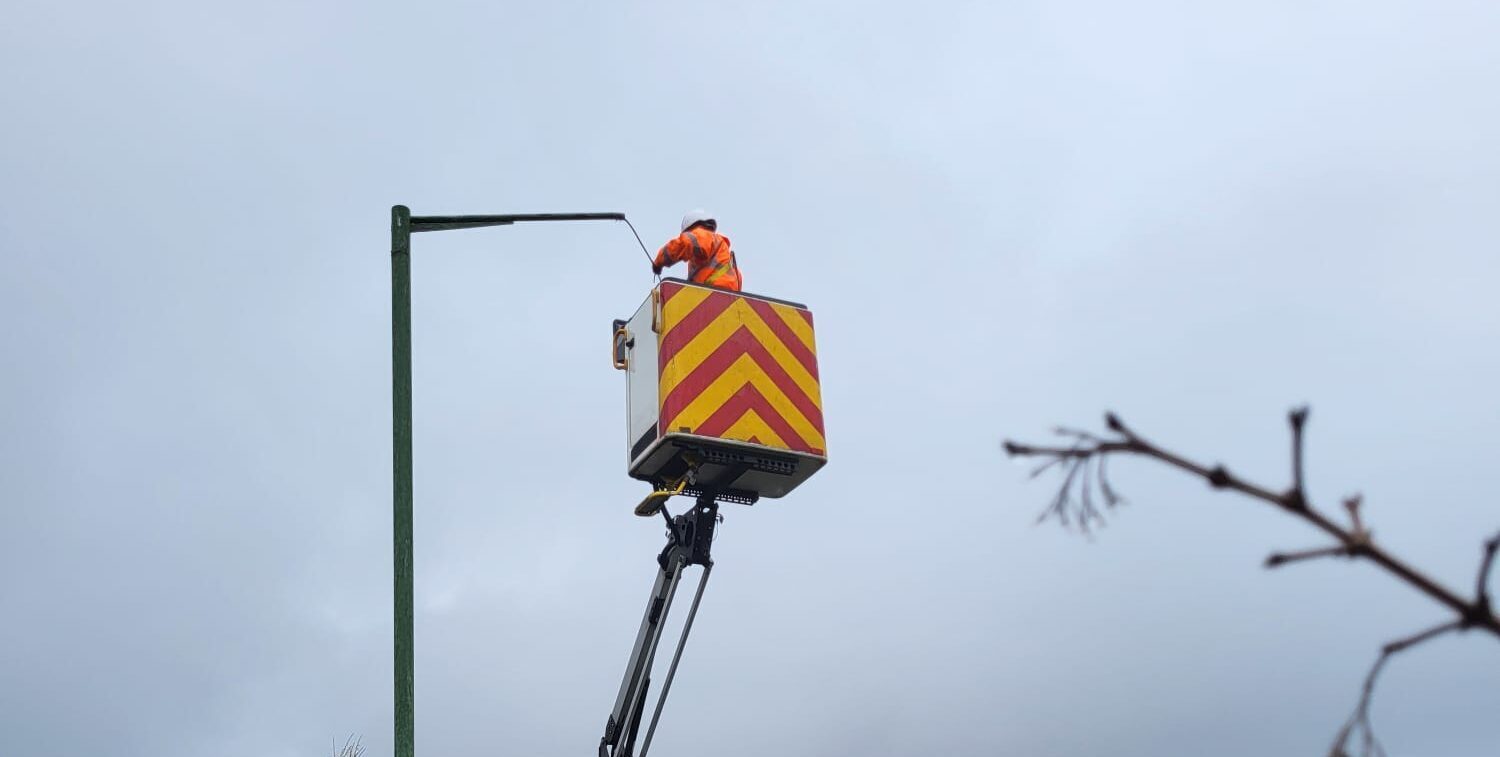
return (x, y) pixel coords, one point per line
(723, 383)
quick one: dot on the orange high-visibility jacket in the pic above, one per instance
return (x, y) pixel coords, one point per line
(709, 257)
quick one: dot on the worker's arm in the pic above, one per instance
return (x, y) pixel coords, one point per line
(673, 252)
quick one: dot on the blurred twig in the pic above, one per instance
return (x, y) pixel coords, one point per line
(351, 748)
(1359, 722)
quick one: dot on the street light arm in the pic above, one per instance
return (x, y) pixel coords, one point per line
(444, 223)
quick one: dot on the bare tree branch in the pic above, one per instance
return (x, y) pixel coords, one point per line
(1298, 419)
(1355, 540)
(1359, 721)
(1110, 497)
(1084, 471)
(1277, 559)
(1085, 459)
(1481, 589)
(352, 748)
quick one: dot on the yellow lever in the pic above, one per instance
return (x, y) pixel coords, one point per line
(653, 502)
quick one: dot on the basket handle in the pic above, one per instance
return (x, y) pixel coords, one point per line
(618, 354)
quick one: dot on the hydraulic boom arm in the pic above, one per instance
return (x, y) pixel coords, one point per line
(689, 539)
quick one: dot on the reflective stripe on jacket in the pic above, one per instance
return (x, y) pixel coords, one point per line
(709, 256)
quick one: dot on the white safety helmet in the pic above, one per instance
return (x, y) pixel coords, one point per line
(696, 216)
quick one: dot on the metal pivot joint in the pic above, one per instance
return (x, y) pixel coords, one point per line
(690, 539)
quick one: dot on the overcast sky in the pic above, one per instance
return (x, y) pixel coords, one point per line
(1004, 216)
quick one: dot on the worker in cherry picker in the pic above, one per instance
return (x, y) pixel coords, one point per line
(709, 257)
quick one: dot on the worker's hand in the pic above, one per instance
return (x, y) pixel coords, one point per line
(656, 268)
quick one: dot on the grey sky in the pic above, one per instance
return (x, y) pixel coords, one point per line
(1004, 216)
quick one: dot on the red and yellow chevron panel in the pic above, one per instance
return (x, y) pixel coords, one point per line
(735, 366)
